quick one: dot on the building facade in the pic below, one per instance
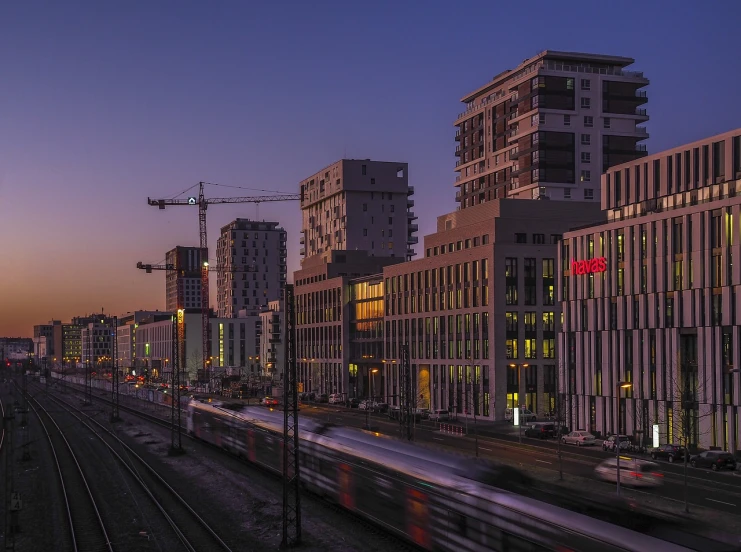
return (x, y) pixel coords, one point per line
(126, 335)
(323, 315)
(650, 300)
(272, 342)
(183, 284)
(358, 204)
(96, 340)
(479, 311)
(251, 256)
(549, 127)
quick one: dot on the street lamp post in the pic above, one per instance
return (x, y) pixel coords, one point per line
(618, 387)
(367, 404)
(517, 406)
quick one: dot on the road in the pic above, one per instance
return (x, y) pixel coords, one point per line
(718, 491)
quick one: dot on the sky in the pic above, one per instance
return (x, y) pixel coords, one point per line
(104, 104)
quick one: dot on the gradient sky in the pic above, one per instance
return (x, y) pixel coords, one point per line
(103, 104)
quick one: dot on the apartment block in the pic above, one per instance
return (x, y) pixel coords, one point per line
(324, 316)
(183, 284)
(96, 340)
(479, 311)
(549, 128)
(651, 300)
(358, 204)
(251, 256)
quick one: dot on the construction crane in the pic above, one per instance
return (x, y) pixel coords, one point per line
(202, 203)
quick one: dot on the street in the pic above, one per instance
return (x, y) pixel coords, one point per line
(715, 490)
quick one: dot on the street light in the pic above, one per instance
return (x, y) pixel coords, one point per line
(368, 403)
(618, 387)
(516, 409)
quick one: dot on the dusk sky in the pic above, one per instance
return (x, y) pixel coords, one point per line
(103, 104)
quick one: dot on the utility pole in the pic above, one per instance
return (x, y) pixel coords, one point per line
(291, 472)
(25, 455)
(114, 376)
(178, 334)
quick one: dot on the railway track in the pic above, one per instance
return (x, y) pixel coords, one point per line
(190, 530)
(87, 532)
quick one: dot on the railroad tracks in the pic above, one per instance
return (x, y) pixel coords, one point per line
(189, 530)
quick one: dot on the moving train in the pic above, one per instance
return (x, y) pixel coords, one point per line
(436, 500)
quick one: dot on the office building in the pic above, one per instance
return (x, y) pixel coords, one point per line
(183, 284)
(479, 311)
(96, 339)
(358, 204)
(549, 128)
(251, 256)
(272, 341)
(650, 300)
(126, 326)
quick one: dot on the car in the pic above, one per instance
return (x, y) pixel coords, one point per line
(352, 403)
(713, 459)
(525, 415)
(323, 398)
(269, 401)
(439, 416)
(633, 472)
(578, 438)
(540, 430)
(336, 398)
(670, 452)
(609, 443)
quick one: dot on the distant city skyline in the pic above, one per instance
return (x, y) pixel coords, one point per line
(108, 105)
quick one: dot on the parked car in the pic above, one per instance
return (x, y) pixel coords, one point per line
(439, 416)
(540, 430)
(525, 415)
(713, 459)
(269, 401)
(633, 472)
(336, 398)
(609, 443)
(578, 438)
(670, 452)
(352, 403)
(379, 407)
(323, 398)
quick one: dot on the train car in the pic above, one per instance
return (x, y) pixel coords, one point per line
(430, 498)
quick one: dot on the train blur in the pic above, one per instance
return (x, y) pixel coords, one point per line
(436, 500)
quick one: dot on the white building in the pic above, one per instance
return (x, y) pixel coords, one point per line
(252, 255)
(272, 342)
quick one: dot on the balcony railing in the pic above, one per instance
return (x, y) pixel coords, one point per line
(411, 240)
(413, 227)
(410, 190)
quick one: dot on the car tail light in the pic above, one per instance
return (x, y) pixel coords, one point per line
(657, 474)
(636, 474)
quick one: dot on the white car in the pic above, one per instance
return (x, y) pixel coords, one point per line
(335, 398)
(633, 472)
(578, 438)
(439, 415)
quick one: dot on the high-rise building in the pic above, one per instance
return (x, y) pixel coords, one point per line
(183, 284)
(650, 339)
(549, 128)
(358, 204)
(252, 266)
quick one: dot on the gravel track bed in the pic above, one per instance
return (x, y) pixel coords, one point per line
(241, 502)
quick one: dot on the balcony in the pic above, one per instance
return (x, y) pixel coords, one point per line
(302, 240)
(457, 151)
(458, 195)
(642, 131)
(410, 190)
(302, 251)
(413, 227)
(410, 203)
(458, 135)
(412, 240)
(641, 112)
(411, 215)
(410, 252)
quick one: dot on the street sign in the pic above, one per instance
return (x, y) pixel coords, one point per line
(15, 502)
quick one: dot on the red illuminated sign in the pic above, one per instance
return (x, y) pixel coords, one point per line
(590, 266)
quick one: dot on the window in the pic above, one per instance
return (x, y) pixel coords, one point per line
(531, 348)
(586, 103)
(549, 348)
(586, 84)
(586, 157)
(567, 193)
(549, 322)
(567, 120)
(588, 120)
(365, 205)
(530, 322)
(539, 238)
(520, 238)
(364, 169)
(511, 347)
(586, 176)
(588, 193)
(586, 139)
(365, 231)
(511, 322)
(607, 122)
(541, 118)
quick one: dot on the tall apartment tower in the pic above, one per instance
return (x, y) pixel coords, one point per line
(358, 204)
(183, 285)
(253, 257)
(549, 128)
